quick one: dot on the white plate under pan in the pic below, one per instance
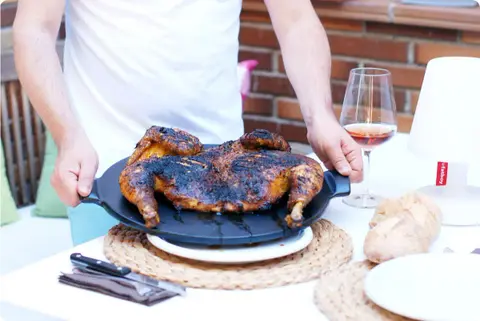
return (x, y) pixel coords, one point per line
(430, 287)
(236, 254)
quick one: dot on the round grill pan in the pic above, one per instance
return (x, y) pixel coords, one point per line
(193, 227)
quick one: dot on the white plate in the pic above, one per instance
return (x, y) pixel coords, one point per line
(430, 286)
(236, 254)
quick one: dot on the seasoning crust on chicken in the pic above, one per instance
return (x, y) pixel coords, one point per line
(248, 174)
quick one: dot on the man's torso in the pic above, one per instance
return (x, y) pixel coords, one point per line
(133, 64)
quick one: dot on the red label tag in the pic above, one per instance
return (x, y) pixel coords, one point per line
(442, 173)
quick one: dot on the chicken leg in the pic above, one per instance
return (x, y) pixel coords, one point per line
(138, 180)
(305, 181)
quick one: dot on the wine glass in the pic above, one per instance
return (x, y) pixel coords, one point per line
(369, 116)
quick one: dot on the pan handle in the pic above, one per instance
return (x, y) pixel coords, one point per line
(93, 197)
(339, 184)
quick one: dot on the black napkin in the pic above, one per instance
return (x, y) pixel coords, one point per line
(116, 287)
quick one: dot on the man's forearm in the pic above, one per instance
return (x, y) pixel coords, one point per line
(40, 74)
(306, 56)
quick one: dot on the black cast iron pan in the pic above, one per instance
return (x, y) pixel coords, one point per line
(211, 228)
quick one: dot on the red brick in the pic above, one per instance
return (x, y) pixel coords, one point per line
(404, 122)
(258, 36)
(328, 3)
(338, 92)
(280, 66)
(8, 12)
(471, 37)
(293, 133)
(414, 100)
(255, 2)
(250, 125)
(275, 85)
(342, 24)
(425, 51)
(258, 106)
(289, 109)
(340, 68)
(368, 47)
(264, 58)
(400, 96)
(255, 16)
(441, 17)
(395, 30)
(338, 110)
(403, 75)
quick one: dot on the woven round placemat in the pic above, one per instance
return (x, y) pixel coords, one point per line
(339, 295)
(330, 248)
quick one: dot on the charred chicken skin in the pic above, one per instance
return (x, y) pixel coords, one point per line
(248, 174)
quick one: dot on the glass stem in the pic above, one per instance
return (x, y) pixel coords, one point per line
(366, 171)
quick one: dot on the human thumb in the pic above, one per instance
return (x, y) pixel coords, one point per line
(338, 160)
(86, 177)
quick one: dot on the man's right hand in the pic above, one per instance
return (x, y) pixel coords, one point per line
(75, 168)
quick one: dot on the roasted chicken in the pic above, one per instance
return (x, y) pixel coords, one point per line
(248, 174)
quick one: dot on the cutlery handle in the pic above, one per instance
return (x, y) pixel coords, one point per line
(98, 265)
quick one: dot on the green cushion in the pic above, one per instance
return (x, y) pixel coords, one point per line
(48, 203)
(9, 213)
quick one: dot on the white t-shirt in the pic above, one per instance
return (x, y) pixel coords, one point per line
(129, 65)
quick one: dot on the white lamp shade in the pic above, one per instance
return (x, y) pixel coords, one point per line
(446, 124)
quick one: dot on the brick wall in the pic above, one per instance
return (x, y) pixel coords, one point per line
(402, 49)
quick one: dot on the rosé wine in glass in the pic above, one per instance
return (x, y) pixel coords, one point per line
(369, 116)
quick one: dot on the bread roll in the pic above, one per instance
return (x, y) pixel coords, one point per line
(402, 226)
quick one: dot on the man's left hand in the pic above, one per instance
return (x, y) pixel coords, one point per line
(336, 149)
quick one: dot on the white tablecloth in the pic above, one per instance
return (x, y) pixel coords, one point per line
(394, 171)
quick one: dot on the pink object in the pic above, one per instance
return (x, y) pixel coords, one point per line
(244, 76)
